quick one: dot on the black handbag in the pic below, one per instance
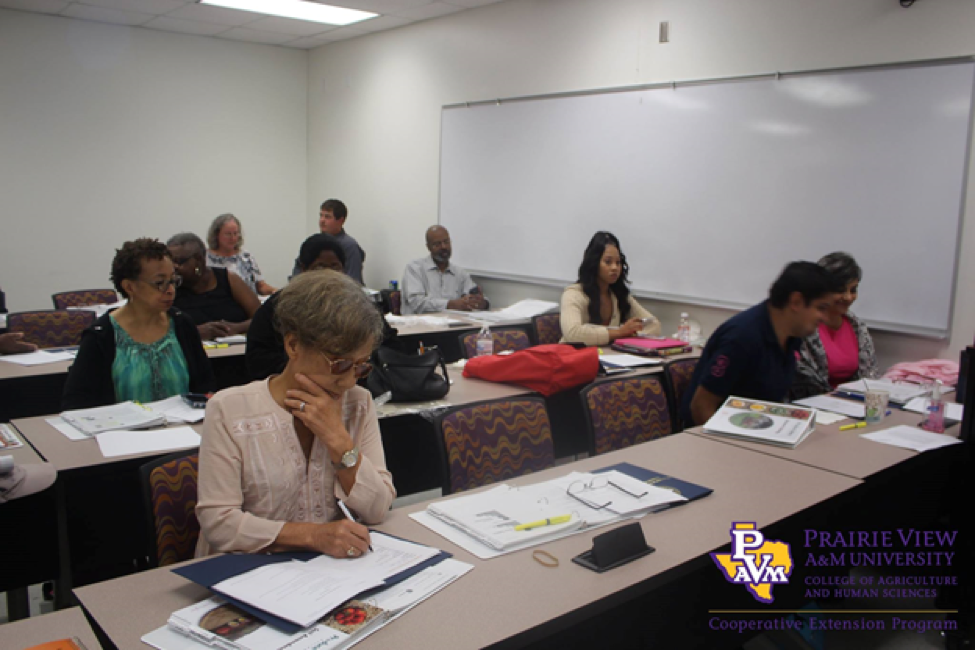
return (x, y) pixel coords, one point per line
(409, 377)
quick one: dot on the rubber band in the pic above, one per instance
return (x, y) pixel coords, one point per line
(542, 556)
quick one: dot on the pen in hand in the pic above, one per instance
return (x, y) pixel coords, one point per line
(348, 515)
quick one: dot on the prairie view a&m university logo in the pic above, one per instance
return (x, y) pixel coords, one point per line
(755, 562)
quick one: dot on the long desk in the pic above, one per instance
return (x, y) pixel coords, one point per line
(64, 624)
(512, 601)
(95, 496)
(447, 338)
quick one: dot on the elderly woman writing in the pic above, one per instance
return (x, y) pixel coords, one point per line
(279, 454)
(226, 240)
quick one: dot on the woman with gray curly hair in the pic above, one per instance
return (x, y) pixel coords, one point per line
(841, 349)
(278, 455)
(225, 241)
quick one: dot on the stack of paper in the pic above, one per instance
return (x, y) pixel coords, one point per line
(125, 443)
(767, 422)
(834, 405)
(39, 358)
(899, 393)
(911, 438)
(217, 623)
(176, 410)
(520, 311)
(124, 415)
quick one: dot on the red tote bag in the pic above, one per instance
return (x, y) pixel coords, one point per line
(547, 369)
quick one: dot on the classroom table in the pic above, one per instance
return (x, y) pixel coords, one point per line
(842, 452)
(512, 601)
(95, 495)
(28, 545)
(447, 337)
(64, 624)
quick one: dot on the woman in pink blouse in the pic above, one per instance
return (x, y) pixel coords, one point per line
(841, 349)
(279, 454)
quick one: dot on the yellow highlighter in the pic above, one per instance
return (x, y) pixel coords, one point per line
(551, 521)
(857, 425)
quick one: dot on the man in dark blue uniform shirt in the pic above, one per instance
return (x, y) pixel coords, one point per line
(753, 354)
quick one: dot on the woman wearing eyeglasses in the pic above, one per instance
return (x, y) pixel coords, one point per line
(279, 454)
(146, 350)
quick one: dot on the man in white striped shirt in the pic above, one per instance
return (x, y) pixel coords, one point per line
(433, 284)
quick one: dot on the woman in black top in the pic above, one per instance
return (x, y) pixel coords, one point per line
(219, 302)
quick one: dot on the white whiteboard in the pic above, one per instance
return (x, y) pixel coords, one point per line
(713, 188)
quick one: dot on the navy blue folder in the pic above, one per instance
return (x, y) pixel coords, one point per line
(690, 491)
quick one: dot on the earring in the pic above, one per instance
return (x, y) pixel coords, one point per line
(199, 272)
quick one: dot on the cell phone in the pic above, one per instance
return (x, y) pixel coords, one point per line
(195, 400)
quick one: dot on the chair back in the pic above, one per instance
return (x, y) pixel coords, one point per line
(678, 374)
(169, 493)
(624, 412)
(84, 297)
(547, 328)
(492, 441)
(51, 328)
(511, 338)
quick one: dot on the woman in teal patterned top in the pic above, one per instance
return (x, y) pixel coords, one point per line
(146, 350)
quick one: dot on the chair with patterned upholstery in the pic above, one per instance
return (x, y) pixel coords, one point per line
(169, 493)
(51, 328)
(505, 338)
(492, 441)
(624, 412)
(84, 297)
(678, 374)
(547, 328)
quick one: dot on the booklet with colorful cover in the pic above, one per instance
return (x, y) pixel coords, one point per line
(784, 425)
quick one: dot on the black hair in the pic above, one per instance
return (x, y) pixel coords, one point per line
(188, 238)
(589, 272)
(811, 280)
(127, 264)
(843, 267)
(315, 246)
(337, 208)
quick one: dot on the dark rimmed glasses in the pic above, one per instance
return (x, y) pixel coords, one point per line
(162, 286)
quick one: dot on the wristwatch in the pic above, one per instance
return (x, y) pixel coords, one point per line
(349, 459)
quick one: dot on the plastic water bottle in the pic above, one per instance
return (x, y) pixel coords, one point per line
(684, 328)
(935, 421)
(484, 346)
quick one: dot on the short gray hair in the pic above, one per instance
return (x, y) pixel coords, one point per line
(188, 239)
(842, 267)
(328, 312)
(213, 234)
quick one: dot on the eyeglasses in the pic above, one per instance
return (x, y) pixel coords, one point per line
(342, 366)
(162, 286)
(577, 489)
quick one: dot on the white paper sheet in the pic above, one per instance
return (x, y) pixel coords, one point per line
(628, 360)
(834, 405)
(920, 405)
(69, 431)
(911, 438)
(389, 556)
(8, 438)
(177, 411)
(235, 339)
(826, 418)
(123, 443)
(39, 358)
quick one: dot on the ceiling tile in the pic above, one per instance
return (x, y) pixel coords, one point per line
(289, 26)
(217, 15)
(432, 10)
(381, 23)
(40, 6)
(377, 6)
(102, 15)
(145, 6)
(340, 34)
(167, 24)
(471, 3)
(254, 36)
(306, 43)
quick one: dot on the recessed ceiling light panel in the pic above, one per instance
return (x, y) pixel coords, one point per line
(297, 9)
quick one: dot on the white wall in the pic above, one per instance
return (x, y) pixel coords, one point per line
(109, 133)
(374, 102)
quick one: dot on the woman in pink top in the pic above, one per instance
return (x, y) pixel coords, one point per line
(841, 349)
(277, 455)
